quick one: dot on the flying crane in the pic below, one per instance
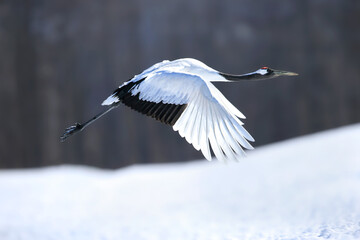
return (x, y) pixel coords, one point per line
(180, 93)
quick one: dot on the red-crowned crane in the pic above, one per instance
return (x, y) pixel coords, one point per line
(180, 93)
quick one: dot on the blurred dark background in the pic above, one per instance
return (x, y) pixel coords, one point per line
(60, 59)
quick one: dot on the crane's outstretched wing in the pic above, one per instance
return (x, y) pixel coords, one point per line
(193, 107)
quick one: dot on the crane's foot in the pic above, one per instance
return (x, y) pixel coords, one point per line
(70, 131)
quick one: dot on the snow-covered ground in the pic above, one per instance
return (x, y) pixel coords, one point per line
(305, 188)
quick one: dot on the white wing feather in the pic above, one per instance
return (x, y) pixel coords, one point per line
(208, 117)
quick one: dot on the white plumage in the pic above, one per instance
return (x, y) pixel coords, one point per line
(180, 93)
(209, 116)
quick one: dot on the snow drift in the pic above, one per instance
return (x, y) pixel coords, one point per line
(305, 188)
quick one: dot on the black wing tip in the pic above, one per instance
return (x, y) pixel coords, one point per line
(71, 131)
(164, 112)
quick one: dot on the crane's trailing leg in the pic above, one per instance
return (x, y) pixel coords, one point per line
(71, 130)
(80, 126)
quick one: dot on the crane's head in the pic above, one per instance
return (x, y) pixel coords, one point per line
(266, 72)
(260, 74)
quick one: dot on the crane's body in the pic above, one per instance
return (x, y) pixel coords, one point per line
(180, 93)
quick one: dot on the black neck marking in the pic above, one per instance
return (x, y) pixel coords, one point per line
(249, 76)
